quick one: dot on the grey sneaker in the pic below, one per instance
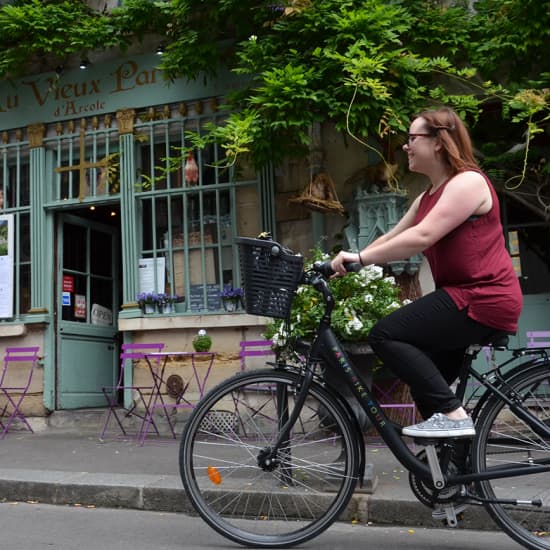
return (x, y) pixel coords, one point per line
(440, 425)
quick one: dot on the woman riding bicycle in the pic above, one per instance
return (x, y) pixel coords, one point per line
(456, 224)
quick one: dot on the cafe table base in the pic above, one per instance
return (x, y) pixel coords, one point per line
(201, 363)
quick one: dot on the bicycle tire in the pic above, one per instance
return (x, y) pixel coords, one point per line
(502, 438)
(303, 495)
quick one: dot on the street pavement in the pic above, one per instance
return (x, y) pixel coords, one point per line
(65, 463)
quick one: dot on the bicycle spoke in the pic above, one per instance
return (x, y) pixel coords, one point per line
(290, 500)
(505, 440)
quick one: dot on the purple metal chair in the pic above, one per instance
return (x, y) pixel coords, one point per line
(255, 348)
(13, 389)
(142, 394)
(538, 338)
(405, 411)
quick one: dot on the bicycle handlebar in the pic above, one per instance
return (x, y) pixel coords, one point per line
(325, 269)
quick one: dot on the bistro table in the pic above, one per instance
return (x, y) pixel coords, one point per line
(201, 363)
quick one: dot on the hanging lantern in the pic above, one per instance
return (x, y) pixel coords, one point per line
(191, 169)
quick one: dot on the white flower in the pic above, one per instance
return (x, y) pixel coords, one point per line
(390, 280)
(252, 38)
(406, 301)
(278, 339)
(395, 305)
(353, 324)
(372, 273)
(368, 298)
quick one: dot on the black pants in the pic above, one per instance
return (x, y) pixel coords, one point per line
(423, 343)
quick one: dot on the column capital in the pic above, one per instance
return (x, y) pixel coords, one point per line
(36, 135)
(125, 119)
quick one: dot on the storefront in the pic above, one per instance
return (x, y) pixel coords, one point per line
(96, 218)
(92, 215)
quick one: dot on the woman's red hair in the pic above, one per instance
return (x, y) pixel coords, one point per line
(455, 140)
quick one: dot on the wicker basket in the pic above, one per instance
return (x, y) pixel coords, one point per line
(270, 275)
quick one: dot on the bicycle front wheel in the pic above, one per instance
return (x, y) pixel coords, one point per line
(504, 440)
(280, 502)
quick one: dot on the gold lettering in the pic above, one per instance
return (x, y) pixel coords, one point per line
(123, 74)
(146, 77)
(11, 102)
(40, 99)
(66, 91)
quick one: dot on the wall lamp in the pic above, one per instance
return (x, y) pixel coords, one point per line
(160, 48)
(84, 63)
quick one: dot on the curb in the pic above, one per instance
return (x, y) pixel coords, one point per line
(165, 494)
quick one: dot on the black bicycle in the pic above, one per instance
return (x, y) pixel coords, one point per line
(270, 458)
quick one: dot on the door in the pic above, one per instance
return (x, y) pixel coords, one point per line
(87, 302)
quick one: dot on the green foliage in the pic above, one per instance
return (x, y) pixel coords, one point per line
(202, 341)
(48, 32)
(366, 66)
(361, 299)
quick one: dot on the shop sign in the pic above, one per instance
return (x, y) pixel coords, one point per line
(102, 88)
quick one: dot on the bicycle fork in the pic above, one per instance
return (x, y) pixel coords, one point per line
(268, 458)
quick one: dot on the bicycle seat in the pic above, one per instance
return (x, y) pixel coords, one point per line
(498, 341)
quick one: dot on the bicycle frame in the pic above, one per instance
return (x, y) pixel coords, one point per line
(331, 351)
(328, 349)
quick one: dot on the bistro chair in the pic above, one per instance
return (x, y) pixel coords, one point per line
(15, 384)
(538, 338)
(396, 399)
(141, 395)
(254, 348)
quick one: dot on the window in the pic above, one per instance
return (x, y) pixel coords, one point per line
(15, 199)
(87, 162)
(190, 216)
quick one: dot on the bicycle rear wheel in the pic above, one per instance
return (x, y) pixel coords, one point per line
(288, 501)
(504, 440)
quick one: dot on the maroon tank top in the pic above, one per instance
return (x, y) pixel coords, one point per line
(472, 265)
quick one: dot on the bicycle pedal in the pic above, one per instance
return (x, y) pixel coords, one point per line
(449, 515)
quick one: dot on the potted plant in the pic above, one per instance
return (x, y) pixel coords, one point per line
(202, 341)
(231, 297)
(179, 304)
(148, 301)
(166, 303)
(361, 299)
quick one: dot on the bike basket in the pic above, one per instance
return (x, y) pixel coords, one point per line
(270, 276)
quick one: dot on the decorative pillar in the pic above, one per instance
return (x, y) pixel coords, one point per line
(125, 119)
(375, 212)
(38, 197)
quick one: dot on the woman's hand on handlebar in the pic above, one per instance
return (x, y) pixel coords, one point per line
(342, 258)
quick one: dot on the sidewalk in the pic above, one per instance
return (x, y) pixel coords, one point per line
(69, 464)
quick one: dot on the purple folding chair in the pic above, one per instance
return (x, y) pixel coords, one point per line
(386, 401)
(538, 338)
(255, 348)
(142, 394)
(15, 384)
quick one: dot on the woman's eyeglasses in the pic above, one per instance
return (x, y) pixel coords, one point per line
(412, 137)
